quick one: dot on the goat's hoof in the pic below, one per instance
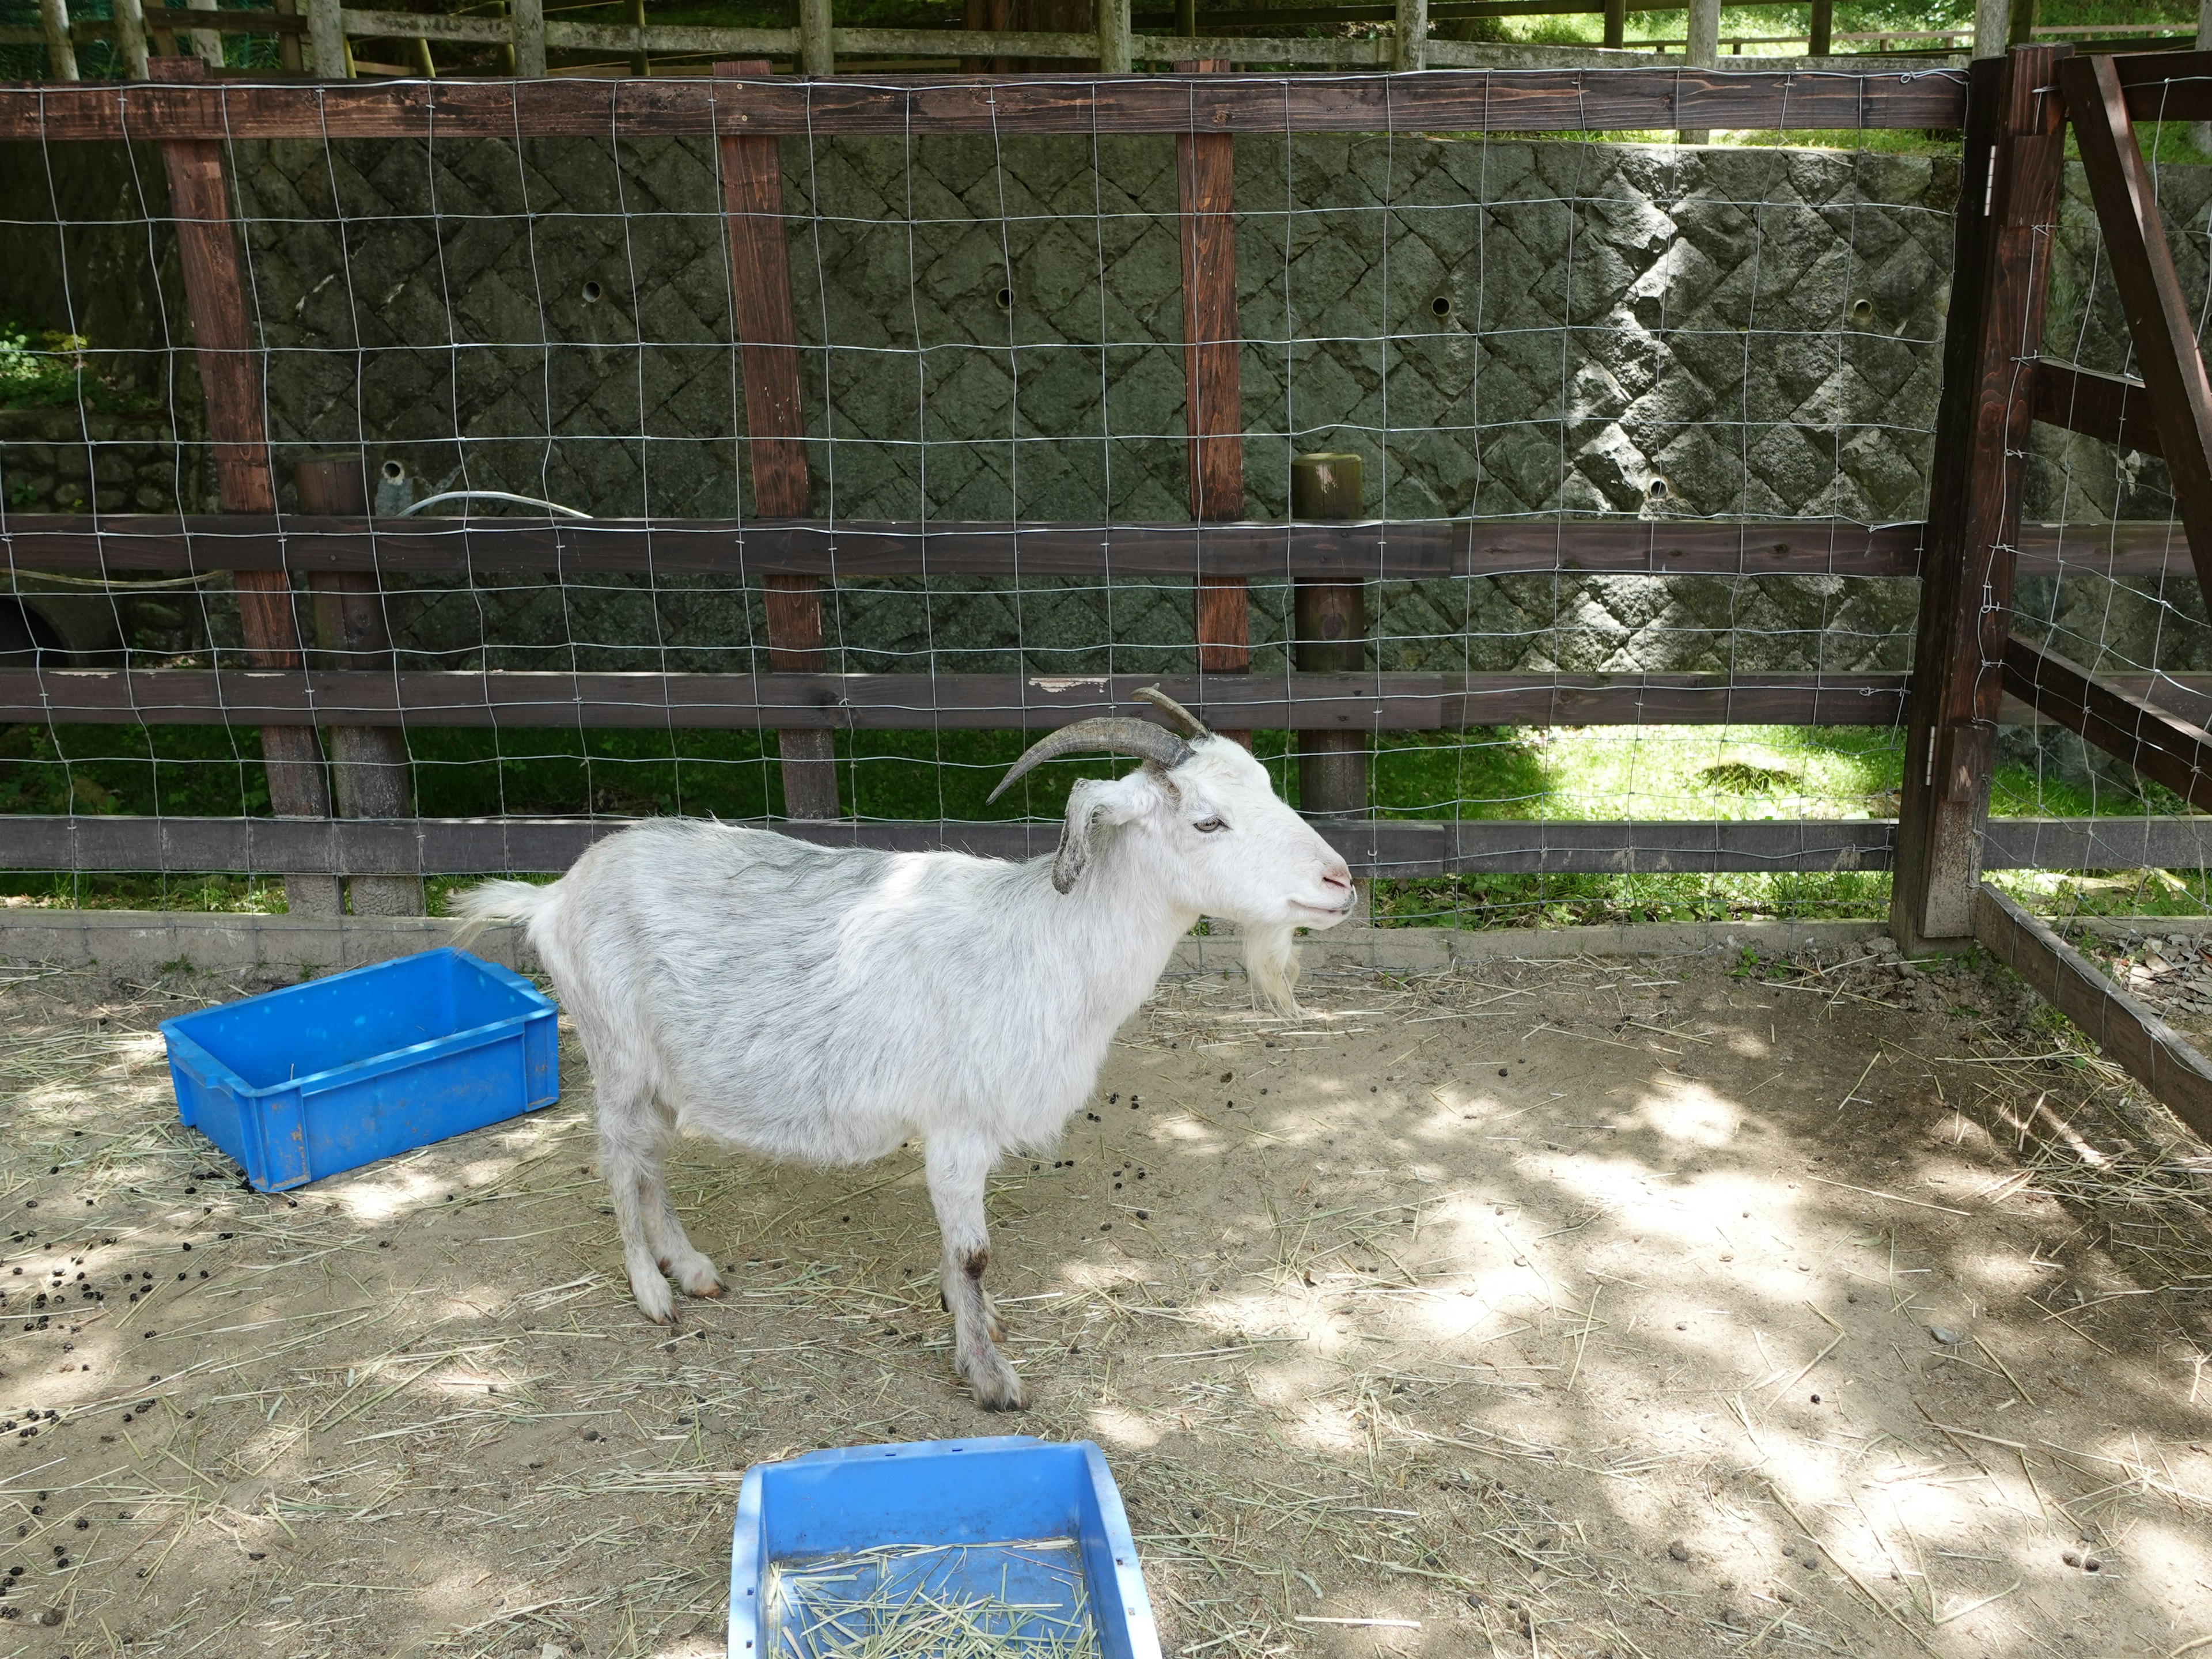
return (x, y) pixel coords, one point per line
(697, 1276)
(653, 1300)
(996, 1387)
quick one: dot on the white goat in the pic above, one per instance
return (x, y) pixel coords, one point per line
(826, 1004)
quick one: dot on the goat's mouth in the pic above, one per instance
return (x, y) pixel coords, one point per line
(1336, 910)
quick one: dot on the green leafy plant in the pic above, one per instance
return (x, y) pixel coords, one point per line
(51, 369)
(39, 368)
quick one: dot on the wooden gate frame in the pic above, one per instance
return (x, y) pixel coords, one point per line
(1996, 383)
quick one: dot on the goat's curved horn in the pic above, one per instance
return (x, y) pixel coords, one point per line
(1116, 733)
(1193, 726)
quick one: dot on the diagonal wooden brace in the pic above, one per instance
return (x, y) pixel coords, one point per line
(2160, 323)
(2159, 745)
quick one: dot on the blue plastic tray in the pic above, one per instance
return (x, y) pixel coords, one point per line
(314, 1078)
(1012, 1519)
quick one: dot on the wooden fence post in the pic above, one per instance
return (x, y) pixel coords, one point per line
(1113, 43)
(1701, 49)
(1410, 47)
(230, 379)
(1992, 23)
(2009, 179)
(1206, 180)
(131, 38)
(775, 427)
(1331, 638)
(2200, 132)
(61, 55)
(326, 36)
(817, 54)
(1616, 23)
(526, 22)
(368, 763)
(205, 44)
(1822, 33)
(289, 58)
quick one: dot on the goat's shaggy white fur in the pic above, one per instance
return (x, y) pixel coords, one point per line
(825, 1005)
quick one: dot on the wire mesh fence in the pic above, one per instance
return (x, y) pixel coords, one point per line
(2118, 595)
(1531, 344)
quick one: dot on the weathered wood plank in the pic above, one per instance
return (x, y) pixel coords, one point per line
(2151, 1051)
(2106, 407)
(1316, 700)
(460, 847)
(859, 548)
(1444, 100)
(820, 702)
(2013, 163)
(1206, 217)
(370, 774)
(1213, 401)
(2166, 86)
(2171, 752)
(168, 544)
(230, 383)
(457, 847)
(775, 425)
(2160, 323)
(2116, 843)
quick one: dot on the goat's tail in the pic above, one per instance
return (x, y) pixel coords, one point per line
(489, 903)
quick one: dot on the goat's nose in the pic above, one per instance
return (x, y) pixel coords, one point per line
(1340, 877)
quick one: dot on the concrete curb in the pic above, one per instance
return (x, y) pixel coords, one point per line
(143, 946)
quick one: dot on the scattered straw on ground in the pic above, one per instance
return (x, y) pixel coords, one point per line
(1555, 1308)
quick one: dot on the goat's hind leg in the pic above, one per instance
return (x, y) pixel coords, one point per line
(957, 1172)
(673, 1248)
(632, 1140)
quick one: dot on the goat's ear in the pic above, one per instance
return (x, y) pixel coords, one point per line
(1093, 805)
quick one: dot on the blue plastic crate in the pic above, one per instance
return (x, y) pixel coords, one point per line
(314, 1078)
(1022, 1522)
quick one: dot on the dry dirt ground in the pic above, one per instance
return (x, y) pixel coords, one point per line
(1651, 1307)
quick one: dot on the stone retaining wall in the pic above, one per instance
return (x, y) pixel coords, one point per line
(990, 330)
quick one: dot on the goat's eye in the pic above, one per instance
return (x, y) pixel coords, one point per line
(1207, 826)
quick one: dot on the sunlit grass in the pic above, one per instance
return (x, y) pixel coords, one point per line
(1582, 774)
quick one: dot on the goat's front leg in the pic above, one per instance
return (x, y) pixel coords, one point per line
(958, 1170)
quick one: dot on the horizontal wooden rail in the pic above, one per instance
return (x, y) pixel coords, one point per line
(2167, 86)
(85, 30)
(859, 548)
(2109, 408)
(363, 23)
(1378, 848)
(1453, 101)
(1401, 549)
(2145, 1046)
(2157, 745)
(1440, 11)
(883, 702)
(1395, 701)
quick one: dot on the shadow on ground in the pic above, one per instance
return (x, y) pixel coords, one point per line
(1662, 1307)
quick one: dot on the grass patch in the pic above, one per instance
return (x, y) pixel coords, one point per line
(1594, 773)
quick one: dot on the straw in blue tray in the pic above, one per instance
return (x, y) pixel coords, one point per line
(915, 1599)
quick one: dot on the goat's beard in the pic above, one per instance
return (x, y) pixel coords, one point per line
(1271, 963)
